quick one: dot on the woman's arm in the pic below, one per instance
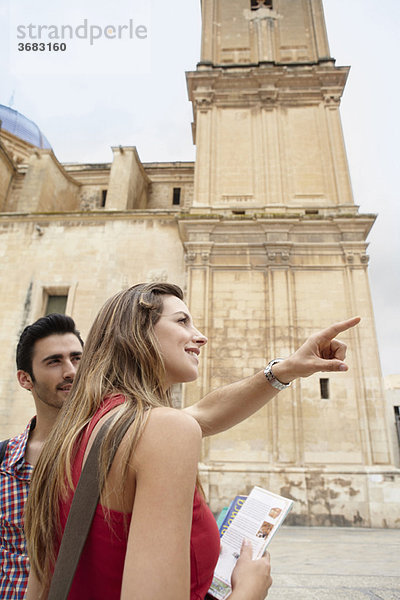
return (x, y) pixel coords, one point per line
(225, 407)
(157, 562)
(34, 590)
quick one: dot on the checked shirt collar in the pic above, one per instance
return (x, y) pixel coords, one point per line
(14, 461)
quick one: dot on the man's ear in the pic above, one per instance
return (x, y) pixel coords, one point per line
(25, 380)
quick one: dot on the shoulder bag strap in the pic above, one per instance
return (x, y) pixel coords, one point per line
(80, 517)
(3, 449)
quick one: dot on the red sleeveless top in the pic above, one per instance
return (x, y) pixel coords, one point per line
(100, 569)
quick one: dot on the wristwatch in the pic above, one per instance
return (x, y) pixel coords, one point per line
(278, 385)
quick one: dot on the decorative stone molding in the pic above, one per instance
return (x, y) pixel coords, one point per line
(220, 87)
(281, 256)
(190, 257)
(176, 393)
(332, 100)
(204, 103)
(268, 98)
(157, 275)
(262, 13)
(357, 258)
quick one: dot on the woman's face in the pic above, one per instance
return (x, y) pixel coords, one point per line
(179, 342)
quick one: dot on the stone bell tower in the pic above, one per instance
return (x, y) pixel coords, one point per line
(266, 95)
(275, 249)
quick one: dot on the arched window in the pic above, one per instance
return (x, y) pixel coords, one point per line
(256, 4)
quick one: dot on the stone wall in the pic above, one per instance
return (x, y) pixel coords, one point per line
(323, 497)
(7, 172)
(91, 256)
(392, 392)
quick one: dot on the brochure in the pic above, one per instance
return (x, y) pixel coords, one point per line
(228, 513)
(256, 517)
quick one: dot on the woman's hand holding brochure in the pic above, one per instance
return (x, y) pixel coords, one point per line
(251, 579)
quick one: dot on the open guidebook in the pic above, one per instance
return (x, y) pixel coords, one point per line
(256, 517)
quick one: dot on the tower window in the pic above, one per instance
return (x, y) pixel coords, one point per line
(176, 196)
(324, 388)
(56, 304)
(55, 299)
(397, 420)
(103, 198)
(256, 4)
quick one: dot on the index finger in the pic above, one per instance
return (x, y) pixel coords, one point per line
(333, 330)
(246, 549)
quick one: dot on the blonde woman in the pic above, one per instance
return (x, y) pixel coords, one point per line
(153, 536)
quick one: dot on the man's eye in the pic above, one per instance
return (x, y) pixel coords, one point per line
(183, 320)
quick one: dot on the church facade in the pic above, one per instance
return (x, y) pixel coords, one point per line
(261, 232)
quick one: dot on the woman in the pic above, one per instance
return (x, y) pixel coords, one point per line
(153, 537)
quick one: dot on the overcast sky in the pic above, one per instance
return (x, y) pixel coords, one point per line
(108, 95)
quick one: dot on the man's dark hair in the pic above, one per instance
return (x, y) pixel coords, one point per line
(51, 324)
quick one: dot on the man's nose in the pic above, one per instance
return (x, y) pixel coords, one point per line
(69, 370)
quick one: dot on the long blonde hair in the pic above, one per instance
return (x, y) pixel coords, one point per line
(121, 356)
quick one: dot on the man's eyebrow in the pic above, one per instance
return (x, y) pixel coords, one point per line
(51, 356)
(54, 356)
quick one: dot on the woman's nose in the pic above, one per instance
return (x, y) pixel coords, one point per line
(199, 338)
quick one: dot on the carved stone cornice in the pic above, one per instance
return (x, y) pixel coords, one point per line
(355, 253)
(204, 101)
(266, 85)
(278, 255)
(348, 231)
(280, 243)
(197, 254)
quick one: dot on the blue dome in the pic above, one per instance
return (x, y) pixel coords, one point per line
(15, 123)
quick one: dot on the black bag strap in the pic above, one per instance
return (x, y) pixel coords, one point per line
(3, 449)
(80, 516)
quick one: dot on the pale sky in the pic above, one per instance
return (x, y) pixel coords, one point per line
(107, 96)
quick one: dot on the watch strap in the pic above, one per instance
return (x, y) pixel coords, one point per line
(278, 385)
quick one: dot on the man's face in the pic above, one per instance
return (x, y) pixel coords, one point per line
(54, 364)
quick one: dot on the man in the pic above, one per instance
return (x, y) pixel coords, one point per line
(48, 354)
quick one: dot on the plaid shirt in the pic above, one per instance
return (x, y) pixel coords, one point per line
(15, 476)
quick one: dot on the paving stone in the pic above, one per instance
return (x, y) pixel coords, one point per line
(335, 564)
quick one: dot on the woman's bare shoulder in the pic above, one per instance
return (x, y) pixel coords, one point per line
(169, 431)
(174, 418)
